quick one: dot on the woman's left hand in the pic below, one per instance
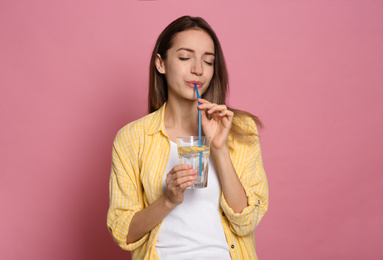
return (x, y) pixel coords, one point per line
(218, 127)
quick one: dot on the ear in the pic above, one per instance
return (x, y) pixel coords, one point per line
(160, 65)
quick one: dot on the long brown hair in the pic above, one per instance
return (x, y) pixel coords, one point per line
(215, 93)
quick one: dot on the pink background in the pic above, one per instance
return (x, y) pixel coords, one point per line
(74, 72)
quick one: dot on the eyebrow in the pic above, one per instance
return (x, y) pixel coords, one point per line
(190, 50)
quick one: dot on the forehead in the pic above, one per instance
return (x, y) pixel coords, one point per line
(193, 39)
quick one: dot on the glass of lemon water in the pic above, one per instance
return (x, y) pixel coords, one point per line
(195, 151)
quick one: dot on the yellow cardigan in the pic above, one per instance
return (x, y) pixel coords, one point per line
(140, 155)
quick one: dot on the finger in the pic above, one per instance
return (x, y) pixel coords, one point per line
(226, 122)
(180, 167)
(217, 108)
(227, 113)
(183, 186)
(172, 176)
(183, 173)
(206, 105)
(182, 179)
(203, 101)
(204, 118)
(180, 182)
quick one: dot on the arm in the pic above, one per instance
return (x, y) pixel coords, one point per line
(244, 186)
(218, 129)
(147, 219)
(247, 161)
(128, 220)
(125, 196)
(232, 188)
(177, 180)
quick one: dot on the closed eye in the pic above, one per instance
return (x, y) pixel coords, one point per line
(183, 58)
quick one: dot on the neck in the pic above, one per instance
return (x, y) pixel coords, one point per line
(181, 118)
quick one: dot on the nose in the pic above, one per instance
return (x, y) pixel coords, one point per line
(197, 68)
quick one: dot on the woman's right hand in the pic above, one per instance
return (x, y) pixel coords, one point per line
(177, 180)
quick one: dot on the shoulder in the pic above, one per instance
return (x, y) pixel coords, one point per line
(246, 123)
(243, 131)
(136, 130)
(138, 125)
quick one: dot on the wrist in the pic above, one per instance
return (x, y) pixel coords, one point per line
(220, 151)
(168, 203)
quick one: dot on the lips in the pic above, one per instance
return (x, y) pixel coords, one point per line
(192, 83)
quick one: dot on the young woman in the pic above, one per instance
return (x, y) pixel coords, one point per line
(151, 213)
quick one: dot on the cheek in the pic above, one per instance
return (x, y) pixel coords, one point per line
(169, 72)
(175, 71)
(174, 76)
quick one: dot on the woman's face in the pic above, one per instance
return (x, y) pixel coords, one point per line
(189, 61)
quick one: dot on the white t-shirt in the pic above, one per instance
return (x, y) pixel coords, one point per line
(193, 230)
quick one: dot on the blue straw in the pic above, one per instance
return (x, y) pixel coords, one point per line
(199, 130)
